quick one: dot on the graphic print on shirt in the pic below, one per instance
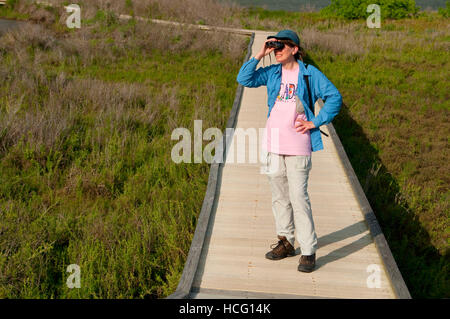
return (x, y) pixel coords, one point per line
(287, 92)
(281, 135)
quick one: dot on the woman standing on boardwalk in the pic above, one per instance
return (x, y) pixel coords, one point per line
(289, 155)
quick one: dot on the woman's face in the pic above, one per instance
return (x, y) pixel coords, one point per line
(286, 54)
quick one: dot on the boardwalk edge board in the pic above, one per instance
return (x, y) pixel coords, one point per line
(240, 294)
(190, 268)
(391, 268)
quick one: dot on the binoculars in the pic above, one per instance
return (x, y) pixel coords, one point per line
(275, 44)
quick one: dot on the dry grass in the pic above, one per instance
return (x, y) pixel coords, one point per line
(338, 41)
(209, 12)
(24, 116)
(352, 38)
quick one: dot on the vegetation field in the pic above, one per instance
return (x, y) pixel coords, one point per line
(86, 175)
(316, 5)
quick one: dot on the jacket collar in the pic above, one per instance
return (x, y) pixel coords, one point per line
(303, 69)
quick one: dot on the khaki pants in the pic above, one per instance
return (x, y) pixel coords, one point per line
(288, 178)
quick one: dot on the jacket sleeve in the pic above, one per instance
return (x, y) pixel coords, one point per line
(250, 77)
(326, 90)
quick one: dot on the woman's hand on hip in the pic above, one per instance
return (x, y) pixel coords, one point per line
(303, 126)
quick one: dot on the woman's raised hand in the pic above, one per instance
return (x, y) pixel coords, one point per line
(265, 50)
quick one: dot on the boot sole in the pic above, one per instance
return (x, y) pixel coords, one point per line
(279, 258)
(301, 269)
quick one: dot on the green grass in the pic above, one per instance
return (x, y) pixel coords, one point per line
(6, 12)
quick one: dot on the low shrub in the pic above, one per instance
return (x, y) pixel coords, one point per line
(445, 12)
(356, 9)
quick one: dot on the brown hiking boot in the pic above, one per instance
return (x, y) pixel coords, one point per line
(307, 263)
(282, 249)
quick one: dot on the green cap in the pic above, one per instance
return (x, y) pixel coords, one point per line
(286, 35)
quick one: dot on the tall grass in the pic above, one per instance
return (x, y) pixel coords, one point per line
(86, 175)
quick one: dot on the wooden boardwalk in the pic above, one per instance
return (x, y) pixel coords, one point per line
(241, 228)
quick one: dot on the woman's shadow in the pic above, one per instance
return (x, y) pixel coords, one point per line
(344, 251)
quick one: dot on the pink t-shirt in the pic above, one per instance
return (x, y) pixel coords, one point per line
(282, 119)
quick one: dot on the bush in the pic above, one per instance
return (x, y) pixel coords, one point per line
(445, 12)
(356, 9)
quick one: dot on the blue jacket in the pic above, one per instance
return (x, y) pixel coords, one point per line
(320, 86)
